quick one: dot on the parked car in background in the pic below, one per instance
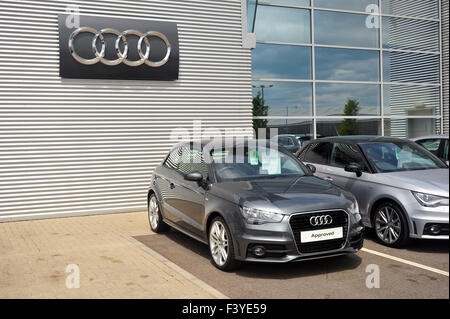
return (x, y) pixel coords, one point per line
(252, 203)
(402, 189)
(288, 141)
(436, 144)
(303, 138)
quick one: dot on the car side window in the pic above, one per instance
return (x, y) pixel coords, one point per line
(318, 153)
(345, 154)
(192, 160)
(431, 145)
(173, 160)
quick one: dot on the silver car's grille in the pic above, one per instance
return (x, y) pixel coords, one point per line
(301, 222)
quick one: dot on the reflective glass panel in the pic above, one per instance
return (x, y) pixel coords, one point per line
(352, 5)
(345, 64)
(346, 29)
(281, 61)
(284, 98)
(412, 8)
(347, 127)
(411, 100)
(412, 127)
(410, 34)
(278, 24)
(332, 99)
(410, 67)
(303, 3)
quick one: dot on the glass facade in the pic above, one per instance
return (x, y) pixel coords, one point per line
(328, 67)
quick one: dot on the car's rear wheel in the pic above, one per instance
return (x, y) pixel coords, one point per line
(155, 217)
(391, 226)
(221, 245)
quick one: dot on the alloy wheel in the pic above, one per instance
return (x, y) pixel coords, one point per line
(153, 213)
(388, 224)
(218, 243)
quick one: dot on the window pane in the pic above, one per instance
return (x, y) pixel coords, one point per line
(344, 64)
(411, 100)
(345, 154)
(345, 29)
(279, 24)
(303, 3)
(410, 34)
(302, 129)
(353, 5)
(410, 67)
(335, 127)
(251, 7)
(412, 8)
(285, 98)
(410, 128)
(319, 153)
(281, 61)
(332, 98)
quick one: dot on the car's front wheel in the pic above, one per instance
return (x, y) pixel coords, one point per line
(391, 225)
(155, 217)
(221, 245)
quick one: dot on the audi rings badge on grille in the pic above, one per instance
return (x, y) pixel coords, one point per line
(121, 55)
(321, 220)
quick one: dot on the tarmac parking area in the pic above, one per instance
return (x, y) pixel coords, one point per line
(418, 271)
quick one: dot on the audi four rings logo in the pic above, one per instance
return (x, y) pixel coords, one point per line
(121, 54)
(321, 220)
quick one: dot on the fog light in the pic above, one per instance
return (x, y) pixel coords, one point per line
(435, 229)
(259, 251)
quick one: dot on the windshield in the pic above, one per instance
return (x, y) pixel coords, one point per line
(249, 163)
(400, 156)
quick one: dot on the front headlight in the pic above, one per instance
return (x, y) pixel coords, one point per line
(258, 216)
(354, 211)
(429, 200)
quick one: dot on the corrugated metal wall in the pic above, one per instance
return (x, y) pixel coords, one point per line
(76, 147)
(445, 59)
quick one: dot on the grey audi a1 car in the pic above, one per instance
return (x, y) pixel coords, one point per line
(402, 189)
(252, 202)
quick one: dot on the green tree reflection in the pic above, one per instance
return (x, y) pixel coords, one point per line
(350, 126)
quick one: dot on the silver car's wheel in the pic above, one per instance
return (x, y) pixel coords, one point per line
(153, 213)
(390, 225)
(218, 243)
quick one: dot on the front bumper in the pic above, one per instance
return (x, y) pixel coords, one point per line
(280, 245)
(422, 217)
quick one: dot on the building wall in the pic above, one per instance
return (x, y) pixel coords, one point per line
(445, 59)
(76, 147)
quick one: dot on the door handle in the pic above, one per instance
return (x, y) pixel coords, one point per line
(172, 185)
(329, 179)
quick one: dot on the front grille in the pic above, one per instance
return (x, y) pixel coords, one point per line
(300, 222)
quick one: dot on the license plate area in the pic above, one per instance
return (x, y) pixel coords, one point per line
(321, 235)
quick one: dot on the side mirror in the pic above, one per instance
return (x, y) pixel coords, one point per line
(194, 177)
(354, 168)
(312, 168)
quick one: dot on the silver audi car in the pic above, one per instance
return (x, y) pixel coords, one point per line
(401, 188)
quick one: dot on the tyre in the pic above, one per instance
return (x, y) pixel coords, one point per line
(155, 217)
(221, 245)
(391, 225)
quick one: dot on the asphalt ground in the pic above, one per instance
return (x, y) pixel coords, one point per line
(418, 271)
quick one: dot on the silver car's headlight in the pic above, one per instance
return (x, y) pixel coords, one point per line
(429, 200)
(354, 210)
(258, 216)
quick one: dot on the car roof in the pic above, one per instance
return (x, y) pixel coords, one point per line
(356, 139)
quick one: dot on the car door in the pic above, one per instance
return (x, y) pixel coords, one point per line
(343, 154)
(190, 203)
(164, 177)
